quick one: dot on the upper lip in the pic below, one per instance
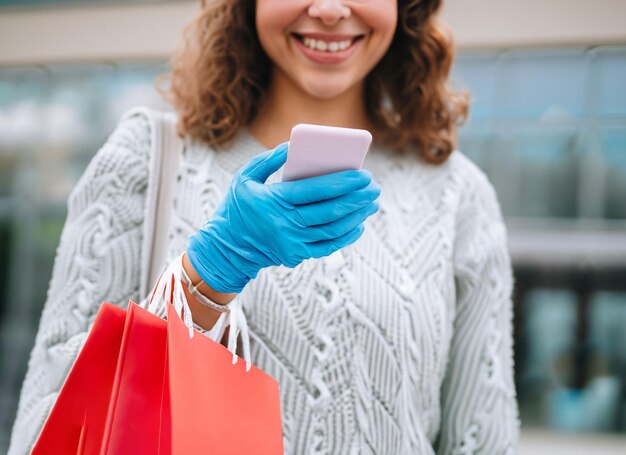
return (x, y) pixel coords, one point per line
(328, 36)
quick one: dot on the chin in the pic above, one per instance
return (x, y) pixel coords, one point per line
(326, 90)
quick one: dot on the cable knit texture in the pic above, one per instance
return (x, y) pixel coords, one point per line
(398, 344)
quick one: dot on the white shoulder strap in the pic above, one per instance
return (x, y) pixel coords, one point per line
(164, 158)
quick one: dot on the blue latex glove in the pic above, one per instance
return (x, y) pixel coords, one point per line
(259, 225)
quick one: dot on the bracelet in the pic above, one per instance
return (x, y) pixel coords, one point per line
(200, 297)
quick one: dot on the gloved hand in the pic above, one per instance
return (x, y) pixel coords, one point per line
(258, 225)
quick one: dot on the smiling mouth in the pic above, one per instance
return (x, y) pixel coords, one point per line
(327, 45)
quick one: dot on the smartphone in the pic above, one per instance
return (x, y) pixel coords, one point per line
(317, 150)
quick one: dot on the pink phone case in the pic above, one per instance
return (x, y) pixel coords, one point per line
(317, 150)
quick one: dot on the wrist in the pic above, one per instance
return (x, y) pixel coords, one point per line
(221, 298)
(217, 260)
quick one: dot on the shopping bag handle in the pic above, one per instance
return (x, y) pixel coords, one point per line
(169, 291)
(166, 149)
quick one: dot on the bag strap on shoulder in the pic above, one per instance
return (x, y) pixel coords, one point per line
(164, 161)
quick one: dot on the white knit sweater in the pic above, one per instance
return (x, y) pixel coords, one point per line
(398, 344)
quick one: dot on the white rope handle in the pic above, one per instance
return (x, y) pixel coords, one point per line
(169, 290)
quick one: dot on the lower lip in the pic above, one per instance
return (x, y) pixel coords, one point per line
(327, 58)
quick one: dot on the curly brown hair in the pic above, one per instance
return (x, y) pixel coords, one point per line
(220, 76)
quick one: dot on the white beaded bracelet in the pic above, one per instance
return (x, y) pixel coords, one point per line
(203, 299)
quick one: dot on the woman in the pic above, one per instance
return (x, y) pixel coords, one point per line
(400, 341)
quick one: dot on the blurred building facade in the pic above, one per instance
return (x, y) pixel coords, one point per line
(547, 124)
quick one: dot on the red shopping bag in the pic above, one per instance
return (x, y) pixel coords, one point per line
(142, 385)
(81, 407)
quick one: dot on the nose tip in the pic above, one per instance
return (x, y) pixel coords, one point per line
(329, 11)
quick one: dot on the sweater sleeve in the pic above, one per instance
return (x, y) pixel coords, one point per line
(479, 407)
(97, 260)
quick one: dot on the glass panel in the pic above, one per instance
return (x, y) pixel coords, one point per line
(478, 73)
(22, 92)
(543, 84)
(550, 338)
(545, 161)
(608, 82)
(614, 154)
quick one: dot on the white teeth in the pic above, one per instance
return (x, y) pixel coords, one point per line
(325, 46)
